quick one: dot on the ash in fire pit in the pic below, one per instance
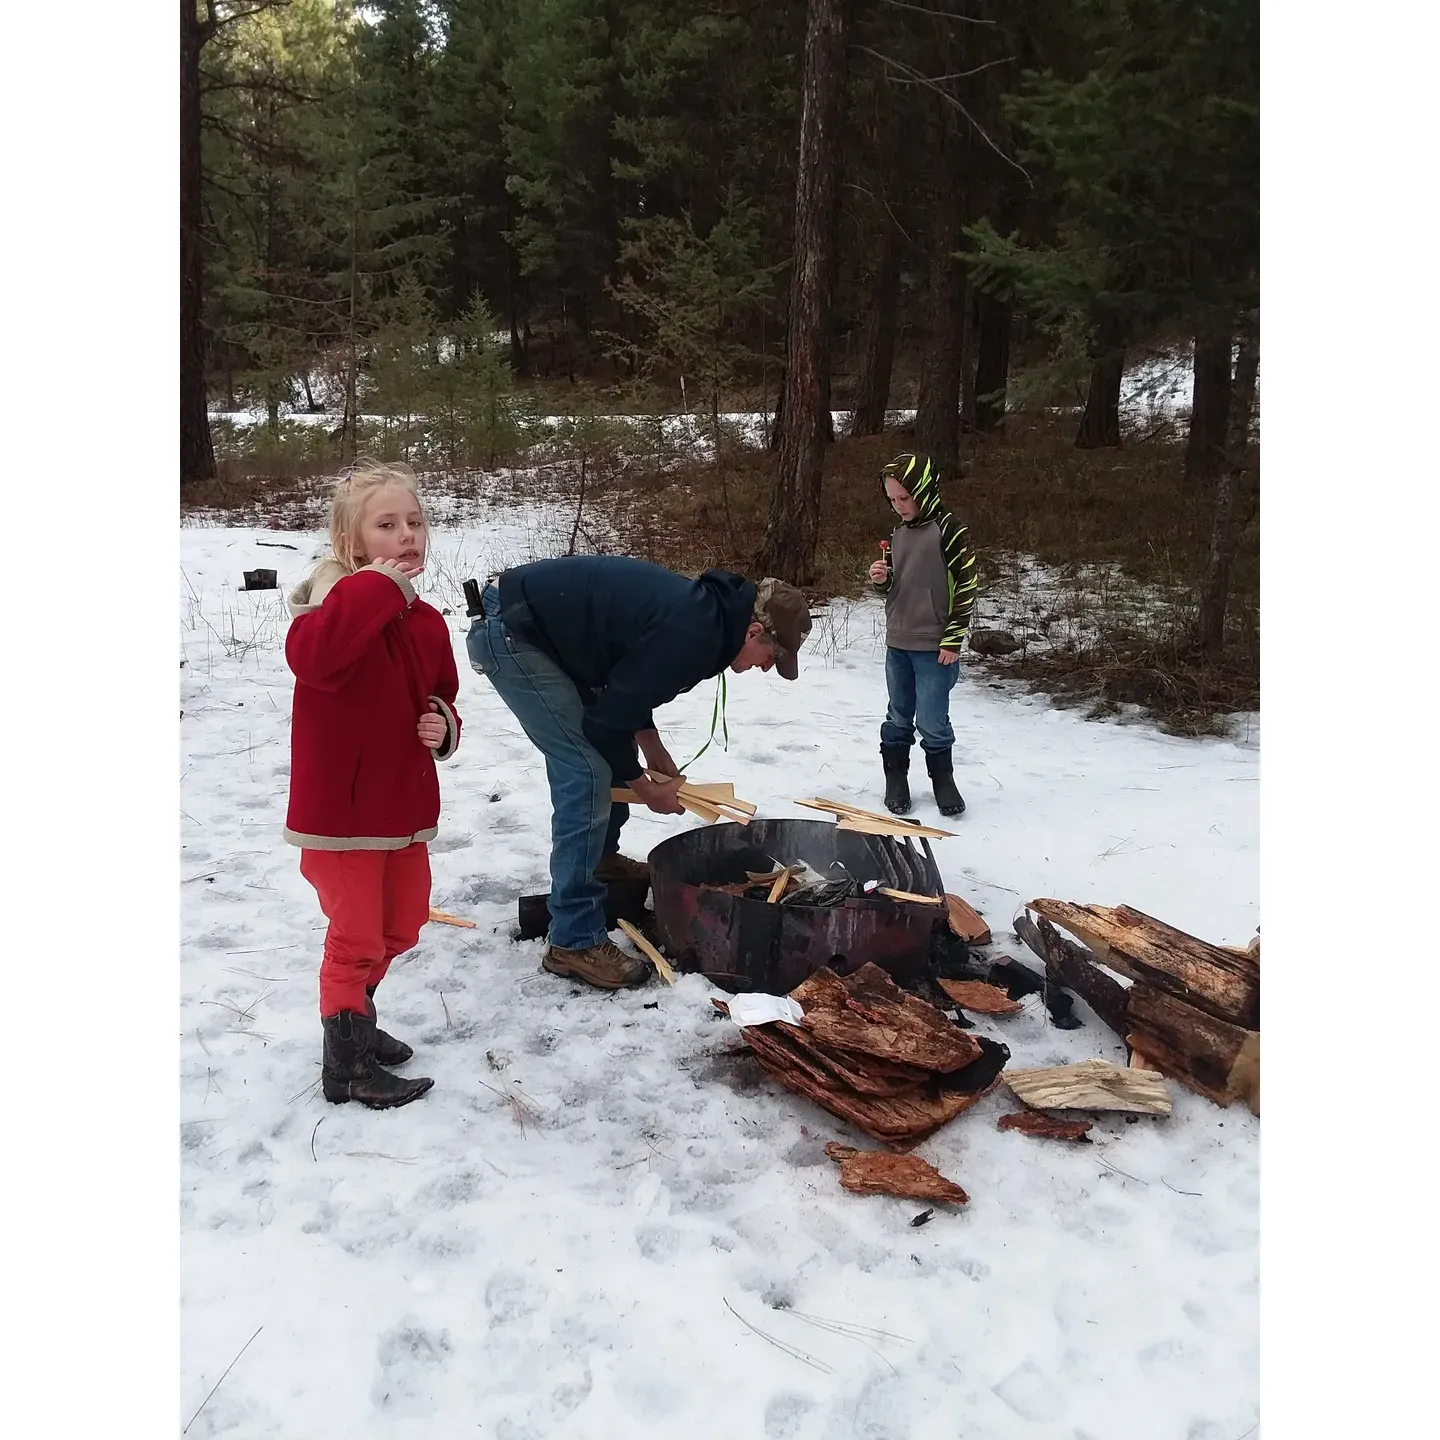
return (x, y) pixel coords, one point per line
(713, 916)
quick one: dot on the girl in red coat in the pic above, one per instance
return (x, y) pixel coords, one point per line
(375, 687)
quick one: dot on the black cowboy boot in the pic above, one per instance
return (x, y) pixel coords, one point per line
(896, 759)
(351, 1072)
(942, 780)
(388, 1050)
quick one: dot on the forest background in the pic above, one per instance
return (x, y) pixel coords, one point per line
(507, 233)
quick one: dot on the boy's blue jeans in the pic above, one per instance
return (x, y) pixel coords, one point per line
(919, 687)
(584, 824)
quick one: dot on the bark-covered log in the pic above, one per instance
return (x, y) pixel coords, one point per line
(1210, 1056)
(1074, 967)
(1211, 978)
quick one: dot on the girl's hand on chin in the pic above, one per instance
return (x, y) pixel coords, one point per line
(408, 568)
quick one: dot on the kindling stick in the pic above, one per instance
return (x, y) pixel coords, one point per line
(662, 965)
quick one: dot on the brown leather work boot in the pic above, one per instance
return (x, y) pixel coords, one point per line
(604, 965)
(620, 867)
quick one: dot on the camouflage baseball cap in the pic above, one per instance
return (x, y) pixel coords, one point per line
(785, 613)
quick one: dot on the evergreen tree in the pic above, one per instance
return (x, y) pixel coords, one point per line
(1151, 153)
(561, 76)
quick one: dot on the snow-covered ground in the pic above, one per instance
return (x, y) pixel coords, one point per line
(573, 1233)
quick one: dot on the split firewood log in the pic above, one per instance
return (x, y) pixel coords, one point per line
(1215, 1059)
(1091, 1085)
(1032, 1122)
(976, 995)
(1210, 977)
(876, 1172)
(1074, 968)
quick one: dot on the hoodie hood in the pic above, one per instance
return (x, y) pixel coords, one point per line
(313, 589)
(734, 597)
(915, 473)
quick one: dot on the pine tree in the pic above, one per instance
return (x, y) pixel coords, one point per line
(1150, 147)
(787, 549)
(561, 77)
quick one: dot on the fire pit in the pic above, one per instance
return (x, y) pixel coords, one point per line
(740, 943)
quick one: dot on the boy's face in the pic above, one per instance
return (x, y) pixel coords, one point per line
(901, 500)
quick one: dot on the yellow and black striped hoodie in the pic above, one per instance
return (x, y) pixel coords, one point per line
(930, 591)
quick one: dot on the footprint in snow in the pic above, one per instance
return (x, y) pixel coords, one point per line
(512, 1295)
(1030, 1393)
(785, 1414)
(410, 1359)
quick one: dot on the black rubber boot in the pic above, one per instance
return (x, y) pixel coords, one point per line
(896, 759)
(388, 1050)
(942, 780)
(350, 1070)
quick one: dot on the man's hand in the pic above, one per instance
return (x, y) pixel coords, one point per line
(878, 572)
(661, 796)
(657, 757)
(949, 657)
(431, 728)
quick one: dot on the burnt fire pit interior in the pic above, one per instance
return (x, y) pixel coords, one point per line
(740, 943)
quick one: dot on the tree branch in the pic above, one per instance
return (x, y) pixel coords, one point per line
(220, 22)
(937, 14)
(261, 83)
(916, 78)
(855, 185)
(965, 74)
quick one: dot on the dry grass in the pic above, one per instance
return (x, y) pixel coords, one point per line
(1105, 619)
(1121, 538)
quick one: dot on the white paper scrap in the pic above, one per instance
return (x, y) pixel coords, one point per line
(759, 1009)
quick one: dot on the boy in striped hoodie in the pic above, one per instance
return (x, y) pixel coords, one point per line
(928, 580)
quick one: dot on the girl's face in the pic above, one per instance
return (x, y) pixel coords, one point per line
(902, 501)
(392, 527)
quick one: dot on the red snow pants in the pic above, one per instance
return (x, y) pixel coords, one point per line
(376, 901)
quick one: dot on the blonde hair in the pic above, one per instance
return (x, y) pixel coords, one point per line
(347, 504)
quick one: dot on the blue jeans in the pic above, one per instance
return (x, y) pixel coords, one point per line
(584, 823)
(919, 687)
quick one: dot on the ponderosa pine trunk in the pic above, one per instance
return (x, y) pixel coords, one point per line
(792, 529)
(1224, 531)
(197, 454)
(992, 363)
(968, 327)
(1205, 456)
(1100, 424)
(937, 404)
(877, 345)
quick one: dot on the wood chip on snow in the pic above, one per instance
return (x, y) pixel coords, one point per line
(1048, 1127)
(976, 995)
(877, 1172)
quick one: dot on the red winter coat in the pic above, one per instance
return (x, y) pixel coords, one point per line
(368, 658)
